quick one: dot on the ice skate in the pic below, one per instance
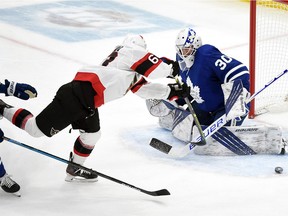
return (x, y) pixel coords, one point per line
(75, 174)
(10, 186)
(3, 105)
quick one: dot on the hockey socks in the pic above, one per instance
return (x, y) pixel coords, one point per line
(18, 117)
(81, 151)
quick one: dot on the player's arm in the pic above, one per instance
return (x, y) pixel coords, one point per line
(149, 65)
(148, 90)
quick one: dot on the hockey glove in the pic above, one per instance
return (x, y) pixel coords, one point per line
(1, 135)
(20, 90)
(175, 67)
(178, 91)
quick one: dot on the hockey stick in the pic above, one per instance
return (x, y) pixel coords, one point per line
(202, 141)
(197, 123)
(162, 192)
(268, 84)
(209, 131)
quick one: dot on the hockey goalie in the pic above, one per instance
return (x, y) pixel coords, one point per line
(219, 90)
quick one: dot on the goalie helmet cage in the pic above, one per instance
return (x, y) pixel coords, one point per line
(268, 52)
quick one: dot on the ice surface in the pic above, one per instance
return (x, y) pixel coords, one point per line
(199, 185)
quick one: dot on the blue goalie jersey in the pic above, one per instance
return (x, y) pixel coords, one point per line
(212, 68)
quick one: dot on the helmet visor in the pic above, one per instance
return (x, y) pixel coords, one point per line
(185, 51)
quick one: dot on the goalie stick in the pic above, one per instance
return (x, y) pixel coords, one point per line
(209, 131)
(162, 192)
(202, 141)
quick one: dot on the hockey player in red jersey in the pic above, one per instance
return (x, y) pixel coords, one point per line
(24, 92)
(77, 103)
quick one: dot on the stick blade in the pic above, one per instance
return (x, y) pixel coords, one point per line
(159, 145)
(163, 192)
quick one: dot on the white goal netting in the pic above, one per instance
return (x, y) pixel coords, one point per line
(271, 53)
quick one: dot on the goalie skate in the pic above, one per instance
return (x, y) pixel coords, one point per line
(75, 174)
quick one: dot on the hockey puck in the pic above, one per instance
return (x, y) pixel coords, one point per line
(278, 170)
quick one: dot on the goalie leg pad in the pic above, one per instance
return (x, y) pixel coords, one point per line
(175, 117)
(260, 139)
(182, 125)
(232, 142)
(159, 108)
(166, 122)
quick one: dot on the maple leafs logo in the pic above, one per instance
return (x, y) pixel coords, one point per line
(195, 92)
(190, 39)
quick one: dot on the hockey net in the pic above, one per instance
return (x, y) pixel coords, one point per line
(268, 53)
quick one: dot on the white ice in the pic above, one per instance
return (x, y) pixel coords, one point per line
(199, 185)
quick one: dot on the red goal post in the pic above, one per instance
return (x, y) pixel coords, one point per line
(268, 52)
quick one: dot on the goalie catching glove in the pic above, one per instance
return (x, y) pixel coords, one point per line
(20, 90)
(178, 91)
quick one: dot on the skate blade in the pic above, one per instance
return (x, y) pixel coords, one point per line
(70, 178)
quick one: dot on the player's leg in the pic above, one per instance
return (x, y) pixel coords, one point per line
(89, 127)
(89, 135)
